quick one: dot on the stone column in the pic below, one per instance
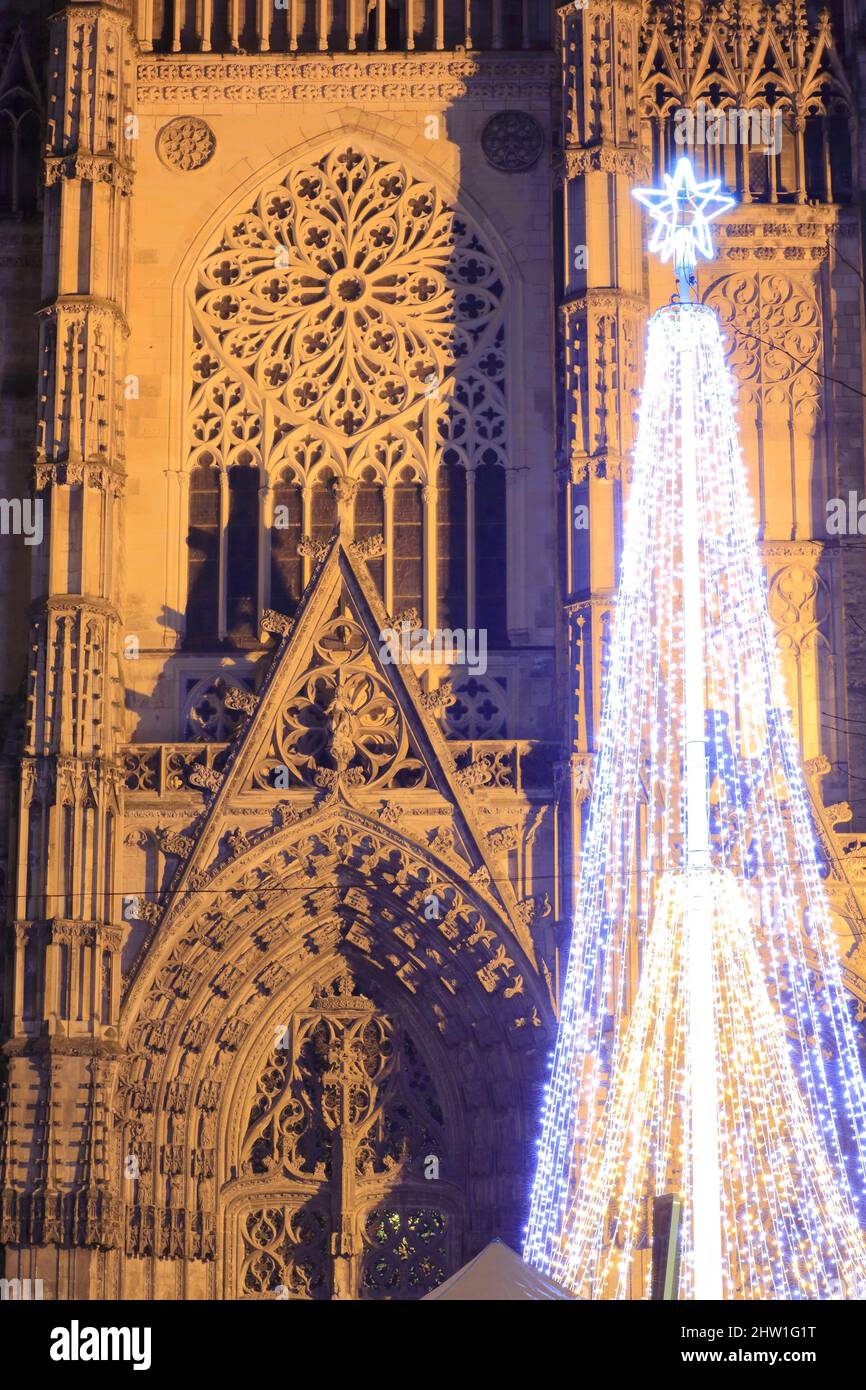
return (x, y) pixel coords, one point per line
(602, 311)
(60, 1209)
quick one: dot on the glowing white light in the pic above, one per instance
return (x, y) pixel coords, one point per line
(682, 212)
(702, 1060)
(626, 1105)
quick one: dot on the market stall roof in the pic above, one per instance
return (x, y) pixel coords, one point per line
(498, 1275)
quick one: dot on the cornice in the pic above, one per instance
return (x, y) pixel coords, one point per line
(95, 168)
(789, 232)
(805, 221)
(344, 78)
(83, 306)
(71, 604)
(575, 162)
(603, 297)
(117, 9)
(793, 550)
(96, 473)
(55, 1045)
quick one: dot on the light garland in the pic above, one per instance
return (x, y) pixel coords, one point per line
(618, 1126)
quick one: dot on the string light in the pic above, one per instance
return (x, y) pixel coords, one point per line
(623, 1119)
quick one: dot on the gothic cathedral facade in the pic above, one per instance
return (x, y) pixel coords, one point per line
(323, 338)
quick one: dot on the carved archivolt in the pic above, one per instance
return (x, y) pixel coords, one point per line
(257, 1067)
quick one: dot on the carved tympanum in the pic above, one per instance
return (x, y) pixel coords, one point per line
(344, 1117)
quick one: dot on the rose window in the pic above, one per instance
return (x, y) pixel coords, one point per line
(346, 288)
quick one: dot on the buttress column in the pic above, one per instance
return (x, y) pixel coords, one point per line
(601, 315)
(60, 1212)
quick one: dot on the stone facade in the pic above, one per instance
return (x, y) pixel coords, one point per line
(340, 332)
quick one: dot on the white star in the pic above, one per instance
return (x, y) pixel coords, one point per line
(682, 212)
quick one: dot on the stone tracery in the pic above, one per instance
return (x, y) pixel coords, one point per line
(342, 290)
(339, 715)
(362, 315)
(346, 1111)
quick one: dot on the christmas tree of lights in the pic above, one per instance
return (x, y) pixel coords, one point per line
(705, 1045)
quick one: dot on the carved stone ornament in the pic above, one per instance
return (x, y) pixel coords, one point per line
(186, 143)
(275, 622)
(339, 720)
(512, 141)
(214, 708)
(436, 77)
(336, 293)
(370, 548)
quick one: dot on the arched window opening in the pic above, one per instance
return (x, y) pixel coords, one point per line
(408, 551)
(203, 540)
(63, 983)
(32, 979)
(66, 866)
(813, 147)
(837, 175)
(384, 30)
(20, 160)
(21, 126)
(512, 26)
(370, 521)
(242, 546)
(88, 825)
(34, 860)
(490, 554)
(451, 547)
(287, 567)
(108, 875)
(323, 512)
(105, 988)
(458, 428)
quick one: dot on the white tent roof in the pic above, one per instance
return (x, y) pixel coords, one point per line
(497, 1275)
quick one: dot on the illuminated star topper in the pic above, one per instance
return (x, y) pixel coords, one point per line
(682, 212)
